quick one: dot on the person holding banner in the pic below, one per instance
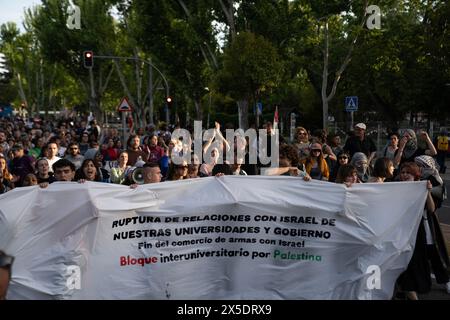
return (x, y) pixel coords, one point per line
(5, 273)
(178, 171)
(362, 165)
(343, 158)
(436, 249)
(193, 167)
(118, 174)
(383, 170)
(348, 175)
(417, 277)
(289, 164)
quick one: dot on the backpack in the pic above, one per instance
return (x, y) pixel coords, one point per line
(442, 143)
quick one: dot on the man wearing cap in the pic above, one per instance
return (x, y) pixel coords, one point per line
(360, 143)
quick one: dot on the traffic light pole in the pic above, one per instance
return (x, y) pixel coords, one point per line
(91, 81)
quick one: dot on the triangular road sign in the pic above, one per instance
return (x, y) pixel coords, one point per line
(124, 105)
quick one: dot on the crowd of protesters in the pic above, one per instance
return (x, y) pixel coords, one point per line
(42, 152)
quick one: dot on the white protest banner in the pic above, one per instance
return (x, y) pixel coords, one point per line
(212, 238)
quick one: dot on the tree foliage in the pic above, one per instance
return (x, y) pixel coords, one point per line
(241, 51)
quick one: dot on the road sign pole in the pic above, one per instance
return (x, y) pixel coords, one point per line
(351, 121)
(124, 128)
(257, 117)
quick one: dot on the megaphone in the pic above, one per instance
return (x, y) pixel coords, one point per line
(137, 176)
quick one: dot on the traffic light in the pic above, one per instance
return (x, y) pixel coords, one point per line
(88, 59)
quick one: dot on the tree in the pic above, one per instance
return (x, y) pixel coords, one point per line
(251, 66)
(65, 46)
(180, 36)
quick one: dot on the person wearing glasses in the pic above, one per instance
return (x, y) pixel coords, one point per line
(73, 154)
(302, 142)
(342, 159)
(315, 164)
(5, 273)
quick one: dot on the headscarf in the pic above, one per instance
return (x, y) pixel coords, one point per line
(411, 145)
(363, 171)
(428, 166)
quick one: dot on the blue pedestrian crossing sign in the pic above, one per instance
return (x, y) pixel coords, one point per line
(351, 103)
(259, 108)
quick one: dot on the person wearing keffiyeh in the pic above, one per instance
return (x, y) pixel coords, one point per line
(428, 168)
(436, 249)
(409, 148)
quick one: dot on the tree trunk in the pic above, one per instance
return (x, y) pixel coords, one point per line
(325, 79)
(21, 91)
(327, 98)
(243, 114)
(229, 14)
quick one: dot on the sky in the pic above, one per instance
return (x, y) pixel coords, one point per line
(12, 10)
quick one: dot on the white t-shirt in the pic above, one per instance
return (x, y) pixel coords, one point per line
(51, 162)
